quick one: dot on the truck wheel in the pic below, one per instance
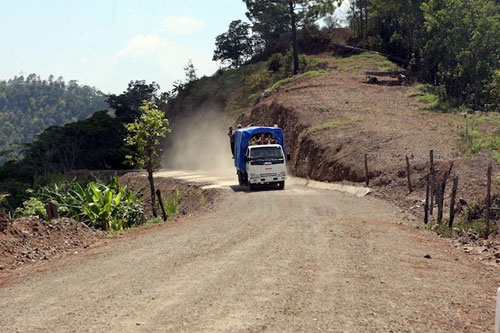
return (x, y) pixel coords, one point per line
(281, 185)
(240, 178)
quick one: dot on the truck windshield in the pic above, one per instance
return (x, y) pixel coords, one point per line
(266, 152)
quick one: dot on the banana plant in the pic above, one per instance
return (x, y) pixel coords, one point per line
(110, 207)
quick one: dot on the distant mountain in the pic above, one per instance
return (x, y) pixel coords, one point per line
(28, 105)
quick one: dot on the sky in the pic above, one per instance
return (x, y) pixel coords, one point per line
(108, 43)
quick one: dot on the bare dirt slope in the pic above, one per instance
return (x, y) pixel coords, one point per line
(295, 260)
(30, 240)
(332, 121)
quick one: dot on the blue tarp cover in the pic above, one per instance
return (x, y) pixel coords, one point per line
(243, 136)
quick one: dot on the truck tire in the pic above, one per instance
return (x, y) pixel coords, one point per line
(281, 185)
(240, 178)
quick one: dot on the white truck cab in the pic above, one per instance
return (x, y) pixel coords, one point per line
(266, 164)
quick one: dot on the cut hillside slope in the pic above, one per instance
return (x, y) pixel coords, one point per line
(333, 120)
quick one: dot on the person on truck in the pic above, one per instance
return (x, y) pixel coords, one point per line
(231, 139)
(262, 139)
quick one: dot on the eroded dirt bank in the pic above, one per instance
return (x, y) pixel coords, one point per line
(332, 121)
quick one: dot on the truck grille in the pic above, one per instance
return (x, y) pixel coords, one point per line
(268, 174)
(264, 162)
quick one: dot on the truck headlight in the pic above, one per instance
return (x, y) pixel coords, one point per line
(282, 174)
(253, 175)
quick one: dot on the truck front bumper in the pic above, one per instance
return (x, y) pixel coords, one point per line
(266, 179)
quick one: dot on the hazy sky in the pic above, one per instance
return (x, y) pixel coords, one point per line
(107, 43)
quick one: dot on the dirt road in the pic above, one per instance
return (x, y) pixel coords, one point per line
(303, 259)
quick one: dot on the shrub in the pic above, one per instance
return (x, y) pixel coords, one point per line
(172, 204)
(493, 91)
(258, 81)
(32, 207)
(110, 207)
(275, 62)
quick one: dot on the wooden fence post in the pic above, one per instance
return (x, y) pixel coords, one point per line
(52, 210)
(426, 213)
(433, 181)
(439, 201)
(440, 193)
(162, 206)
(408, 173)
(488, 204)
(367, 181)
(452, 203)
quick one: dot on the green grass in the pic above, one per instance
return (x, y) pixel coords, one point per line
(152, 221)
(313, 61)
(313, 73)
(328, 126)
(442, 229)
(476, 226)
(235, 90)
(279, 84)
(474, 138)
(461, 225)
(366, 61)
(428, 98)
(172, 204)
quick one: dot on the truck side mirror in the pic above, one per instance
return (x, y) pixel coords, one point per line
(288, 157)
(247, 159)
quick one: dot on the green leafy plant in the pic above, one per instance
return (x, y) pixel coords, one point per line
(32, 207)
(275, 62)
(3, 197)
(2, 210)
(172, 204)
(144, 135)
(110, 207)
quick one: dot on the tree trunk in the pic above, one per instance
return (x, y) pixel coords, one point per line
(152, 187)
(294, 39)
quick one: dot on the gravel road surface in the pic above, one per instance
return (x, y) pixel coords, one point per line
(302, 259)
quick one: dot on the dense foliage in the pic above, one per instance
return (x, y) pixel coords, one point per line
(453, 43)
(235, 46)
(110, 207)
(30, 105)
(95, 143)
(126, 105)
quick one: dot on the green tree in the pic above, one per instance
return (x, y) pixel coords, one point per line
(272, 19)
(270, 22)
(29, 106)
(190, 72)
(145, 134)
(463, 51)
(96, 143)
(127, 104)
(235, 46)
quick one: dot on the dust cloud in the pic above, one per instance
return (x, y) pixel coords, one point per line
(200, 142)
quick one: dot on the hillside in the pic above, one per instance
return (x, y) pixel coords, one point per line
(332, 118)
(30, 105)
(332, 121)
